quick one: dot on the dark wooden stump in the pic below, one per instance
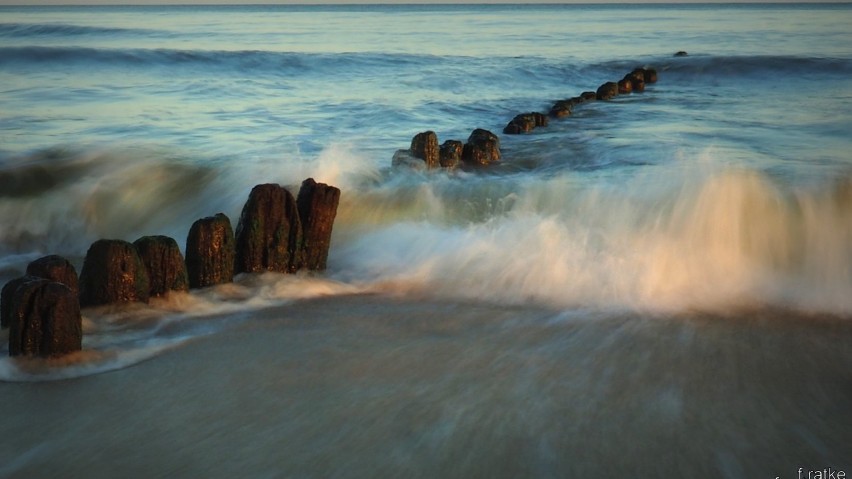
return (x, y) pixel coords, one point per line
(482, 148)
(425, 146)
(164, 262)
(317, 208)
(525, 123)
(45, 319)
(6, 297)
(649, 75)
(607, 91)
(113, 272)
(210, 252)
(451, 153)
(269, 233)
(55, 268)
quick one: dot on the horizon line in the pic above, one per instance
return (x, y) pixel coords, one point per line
(163, 3)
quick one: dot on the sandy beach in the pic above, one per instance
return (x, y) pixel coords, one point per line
(372, 386)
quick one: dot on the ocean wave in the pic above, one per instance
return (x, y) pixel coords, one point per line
(417, 70)
(728, 66)
(748, 65)
(716, 240)
(22, 30)
(59, 201)
(238, 61)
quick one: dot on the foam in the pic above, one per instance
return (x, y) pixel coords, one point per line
(119, 336)
(699, 238)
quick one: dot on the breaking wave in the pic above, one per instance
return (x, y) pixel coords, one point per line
(695, 240)
(60, 201)
(19, 30)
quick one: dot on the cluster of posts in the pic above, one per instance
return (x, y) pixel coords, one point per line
(483, 147)
(276, 232)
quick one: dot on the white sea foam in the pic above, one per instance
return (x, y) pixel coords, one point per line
(83, 363)
(694, 238)
(118, 336)
(61, 202)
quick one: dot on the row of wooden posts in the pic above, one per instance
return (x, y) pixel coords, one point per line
(276, 232)
(483, 147)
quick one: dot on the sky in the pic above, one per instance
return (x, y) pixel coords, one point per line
(274, 2)
(327, 2)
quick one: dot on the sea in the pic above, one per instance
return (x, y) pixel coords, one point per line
(658, 285)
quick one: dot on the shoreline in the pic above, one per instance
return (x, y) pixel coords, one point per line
(365, 384)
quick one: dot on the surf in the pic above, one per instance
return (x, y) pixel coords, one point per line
(707, 238)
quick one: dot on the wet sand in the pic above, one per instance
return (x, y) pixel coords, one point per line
(370, 386)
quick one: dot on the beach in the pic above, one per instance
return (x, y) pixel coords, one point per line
(367, 385)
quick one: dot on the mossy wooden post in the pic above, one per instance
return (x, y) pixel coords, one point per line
(55, 268)
(210, 251)
(482, 148)
(649, 73)
(113, 272)
(637, 80)
(425, 146)
(7, 295)
(607, 91)
(269, 233)
(525, 123)
(165, 264)
(317, 208)
(52, 267)
(450, 153)
(44, 319)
